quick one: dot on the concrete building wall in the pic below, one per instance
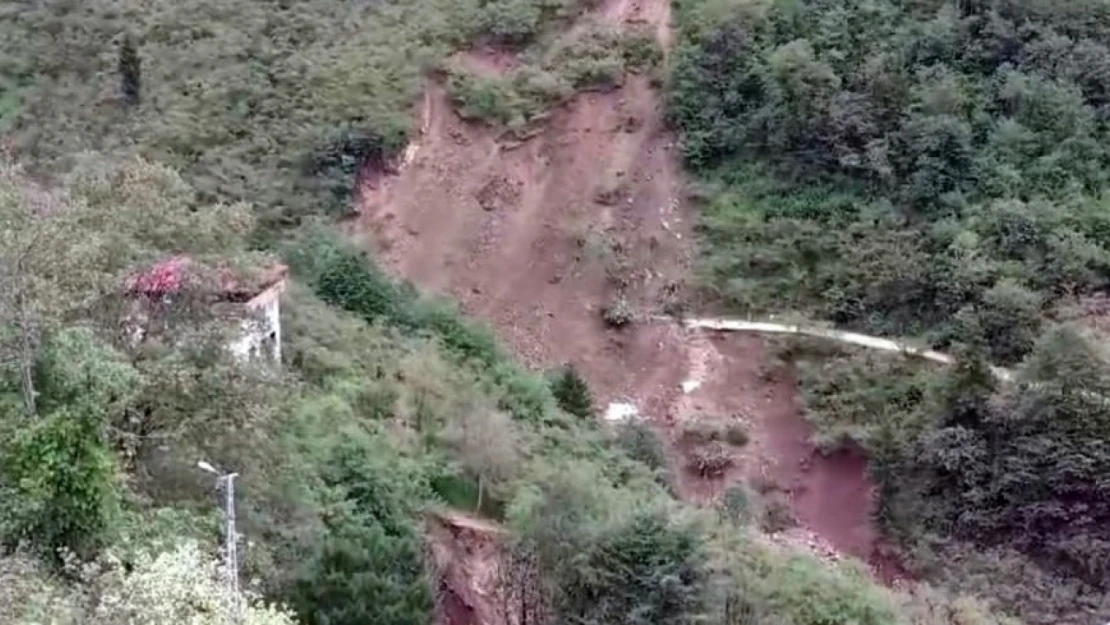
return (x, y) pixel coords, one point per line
(262, 332)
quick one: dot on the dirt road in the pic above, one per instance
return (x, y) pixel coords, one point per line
(516, 233)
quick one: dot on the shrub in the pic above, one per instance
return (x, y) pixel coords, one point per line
(642, 445)
(644, 570)
(588, 57)
(572, 393)
(710, 461)
(511, 21)
(640, 49)
(618, 313)
(489, 99)
(736, 505)
(368, 567)
(58, 479)
(777, 516)
(184, 584)
(806, 591)
(736, 434)
(333, 169)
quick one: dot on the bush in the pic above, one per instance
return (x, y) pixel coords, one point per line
(490, 99)
(618, 313)
(736, 505)
(710, 461)
(590, 56)
(805, 591)
(643, 570)
(640, 49)
(572, 393)
(777, 516)
(736, 435)
(369, 565)
(59, 483)
(183, 584)
(334, 169)
(642, 445)
(512, 21)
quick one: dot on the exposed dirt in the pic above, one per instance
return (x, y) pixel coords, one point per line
(828, 495)
(465, 553)
(537, 237)
(515, 234)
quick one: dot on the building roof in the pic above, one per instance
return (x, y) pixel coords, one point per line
(171, 275)
(165, 277)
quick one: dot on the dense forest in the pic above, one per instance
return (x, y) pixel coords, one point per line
(934, 170)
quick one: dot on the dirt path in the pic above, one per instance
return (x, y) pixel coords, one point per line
(516, 233)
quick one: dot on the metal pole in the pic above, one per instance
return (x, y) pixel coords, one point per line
(232, 547)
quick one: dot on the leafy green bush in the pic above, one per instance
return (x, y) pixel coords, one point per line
(59, 482)
(334, 169)
(736, 505)
(643, 571)
(809, 594)
(369, 565)
(572, 393)
(488, 98)
(643, 445)
(640, 49)
(57, 470)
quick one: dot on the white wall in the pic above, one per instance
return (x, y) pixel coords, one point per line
(264, 323)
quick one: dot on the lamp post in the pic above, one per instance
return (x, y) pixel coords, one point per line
(227, 481)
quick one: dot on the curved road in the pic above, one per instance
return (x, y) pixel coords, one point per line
(840, 336)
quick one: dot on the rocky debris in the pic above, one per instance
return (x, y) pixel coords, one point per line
(498, 193)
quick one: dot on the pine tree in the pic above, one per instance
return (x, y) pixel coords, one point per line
(130, 72)
(573, 394)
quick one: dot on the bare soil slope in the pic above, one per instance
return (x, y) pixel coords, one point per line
(515, 232)
(537, 237)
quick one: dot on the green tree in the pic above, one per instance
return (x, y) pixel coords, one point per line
(368, 566)
(572, 393)
(58, 473)
(364, 572)
(59, 480)
(486, 445)
(605, 557)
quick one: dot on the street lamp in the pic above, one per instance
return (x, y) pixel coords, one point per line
(227, 480)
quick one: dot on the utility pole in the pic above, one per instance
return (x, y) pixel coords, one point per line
(231, 546)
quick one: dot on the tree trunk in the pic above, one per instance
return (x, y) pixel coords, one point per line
(478, 508)
(26, 356)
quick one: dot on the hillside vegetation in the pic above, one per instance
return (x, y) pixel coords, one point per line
(928, 169)
(133, 131)
(913, 168)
